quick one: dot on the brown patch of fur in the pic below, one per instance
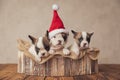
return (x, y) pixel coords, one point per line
(33, 39)
(77, 35)
(46, 43)
(65, 36)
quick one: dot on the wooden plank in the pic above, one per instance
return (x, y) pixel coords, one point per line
(21, 62)
(74, 67)
(96, 66)
(88, 66)
(54, 66)
(66, 78)
(41, 69)
(83, 66)
(78, 62)
(27, 65)
(31, 66)
(48, 68)
(36, 69)
(60, 66)
(67, 65)
(80, 66)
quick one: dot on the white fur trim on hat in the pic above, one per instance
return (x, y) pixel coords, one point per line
(55, 7)
(56, 31)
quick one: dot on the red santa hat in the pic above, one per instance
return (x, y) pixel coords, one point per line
(57, 25)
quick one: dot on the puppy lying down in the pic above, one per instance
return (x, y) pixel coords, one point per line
(40, 47)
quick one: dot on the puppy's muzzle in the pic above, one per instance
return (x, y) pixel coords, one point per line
(43, 54)
(84, 45)
(59, 42)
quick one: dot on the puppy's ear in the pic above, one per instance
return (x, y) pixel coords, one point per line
(73, 32)
(47, 34)
(91, 33)
(33, 39)
(46, 43)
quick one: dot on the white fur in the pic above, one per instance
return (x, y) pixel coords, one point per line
(75, 48)
(32, 50)
(84, 35)
(40, 42)
(66, 51)
(39, 45)
(51, 51)
(55, 44)
(55, 40)
(55, 7)
(56, 31)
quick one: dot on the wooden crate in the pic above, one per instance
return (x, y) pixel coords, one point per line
(58, 66)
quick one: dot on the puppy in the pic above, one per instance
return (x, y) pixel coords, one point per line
(58, 42)
(39, 47)
(81, 41)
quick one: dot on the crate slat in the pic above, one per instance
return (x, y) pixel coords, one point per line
(58, 66)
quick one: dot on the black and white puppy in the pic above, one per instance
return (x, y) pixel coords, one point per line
(81, 41)
(40, 47)
(58, 42)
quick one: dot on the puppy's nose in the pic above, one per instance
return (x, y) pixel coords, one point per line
(59, 41)
(43, 54)
(85, 44)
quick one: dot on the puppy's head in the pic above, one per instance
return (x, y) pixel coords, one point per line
(59, 40)
(82, 38)
(40, 46)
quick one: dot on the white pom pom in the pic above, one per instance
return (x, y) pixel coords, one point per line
(55, 7)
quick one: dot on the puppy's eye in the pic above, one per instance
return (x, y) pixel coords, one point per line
(80, 39)
(47, 48)
(88, 36)
(63, 34)
(54, 37)
(88, 39)
(37, 49)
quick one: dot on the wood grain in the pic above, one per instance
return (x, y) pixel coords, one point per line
(106, 72)
(60, 66)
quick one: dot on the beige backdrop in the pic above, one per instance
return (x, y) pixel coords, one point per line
(18, 18)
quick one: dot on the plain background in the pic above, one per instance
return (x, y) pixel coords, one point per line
(18, 18)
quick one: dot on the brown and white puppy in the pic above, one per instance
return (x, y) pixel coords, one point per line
(58, 42)
(40, 47)
(81, 41)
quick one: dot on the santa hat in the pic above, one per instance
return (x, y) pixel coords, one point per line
(57, 25)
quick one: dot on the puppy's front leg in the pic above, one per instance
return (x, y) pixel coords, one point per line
(51, 51)
(38, 58)
(66, 51)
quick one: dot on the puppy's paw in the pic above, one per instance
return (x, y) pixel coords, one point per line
(38, 59)
(91, 49)
(66, 51)
(51, 51)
